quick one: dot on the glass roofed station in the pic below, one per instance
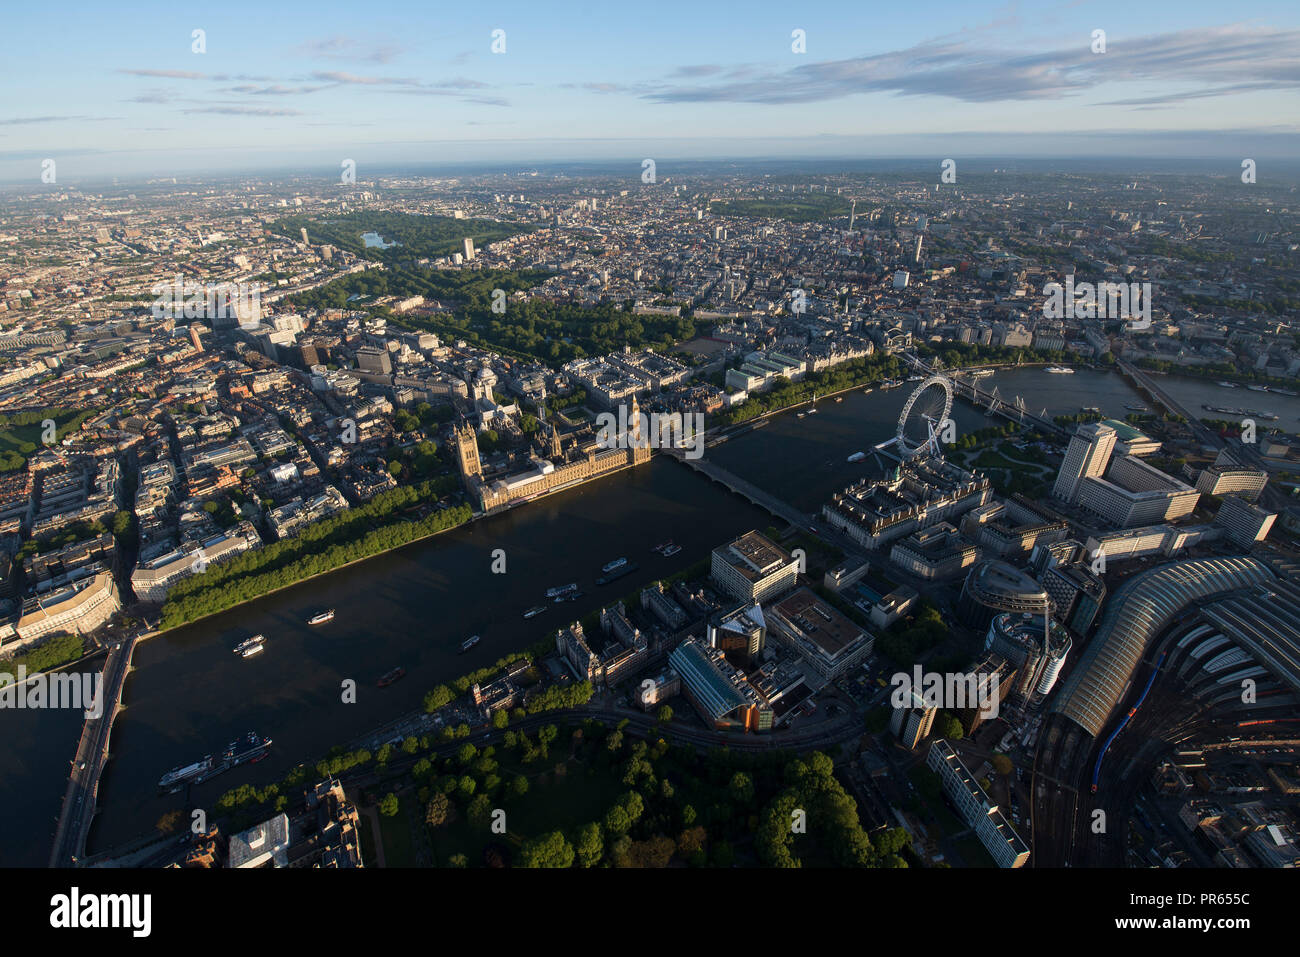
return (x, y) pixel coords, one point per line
(1142, 608)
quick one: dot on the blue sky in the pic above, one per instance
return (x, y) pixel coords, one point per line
(115, 89)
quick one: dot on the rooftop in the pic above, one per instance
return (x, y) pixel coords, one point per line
(754, 555)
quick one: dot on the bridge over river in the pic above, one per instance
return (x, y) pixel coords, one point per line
(991, 402)
(79, 802)
(766, 500)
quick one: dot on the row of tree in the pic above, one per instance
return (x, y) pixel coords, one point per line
(785, 393)
(360, 532)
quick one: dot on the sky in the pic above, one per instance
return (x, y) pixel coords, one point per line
(121, 89)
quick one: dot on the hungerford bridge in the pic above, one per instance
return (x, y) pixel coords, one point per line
(991, 402)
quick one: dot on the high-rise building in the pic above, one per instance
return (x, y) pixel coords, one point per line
(468, 246)
(374, 359)
(911, 724)
(1086, 457)
(311, 353)
(1037, 651)
(1077, 593)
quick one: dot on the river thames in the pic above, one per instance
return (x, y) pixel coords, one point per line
(189, 695)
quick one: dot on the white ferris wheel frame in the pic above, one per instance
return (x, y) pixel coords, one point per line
(931, 445)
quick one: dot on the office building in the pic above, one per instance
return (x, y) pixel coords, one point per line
(375, 360)
(79, 606)
(721, 694)
(740, 632)
(992, 678)
(625, 650)
(1135, 493)
(654, 691)
(934, 553)
(827, 641)
(995, 832)
(1232, 480)
(1037, 652)
(1245, 523)
(152, 579)
(753, 568)
(1130, 440)
(911, 723)
(1076, 592)
(1086, 456)
(671, 614)
(994, 587)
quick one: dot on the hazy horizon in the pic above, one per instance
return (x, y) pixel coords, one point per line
(923, 166)
(162, 90)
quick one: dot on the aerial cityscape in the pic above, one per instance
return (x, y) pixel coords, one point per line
(927, 504)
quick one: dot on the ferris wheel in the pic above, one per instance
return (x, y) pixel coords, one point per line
(921, 422)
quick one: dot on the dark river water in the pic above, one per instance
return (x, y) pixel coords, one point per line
(189, 695)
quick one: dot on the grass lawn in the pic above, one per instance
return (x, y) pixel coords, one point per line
(813, 209)
(368, 855)
(932, 808)
(396, 832)
(19, 441)
(988, 459)
(565, 801)
(973, 853)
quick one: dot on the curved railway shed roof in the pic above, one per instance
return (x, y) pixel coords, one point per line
(1139, 611)
(1264, 621)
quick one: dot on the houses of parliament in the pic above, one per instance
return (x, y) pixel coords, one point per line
(555, 463)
